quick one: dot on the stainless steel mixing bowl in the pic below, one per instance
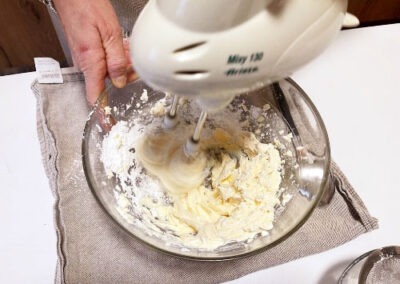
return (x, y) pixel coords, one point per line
(305, 176)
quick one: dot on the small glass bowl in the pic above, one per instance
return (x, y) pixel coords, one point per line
(378, 266)
(295, 114)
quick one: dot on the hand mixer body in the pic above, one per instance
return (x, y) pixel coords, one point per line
(212, 50)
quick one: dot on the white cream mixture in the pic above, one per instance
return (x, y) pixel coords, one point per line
(228, 193)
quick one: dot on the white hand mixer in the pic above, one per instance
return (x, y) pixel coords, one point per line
(212, 50)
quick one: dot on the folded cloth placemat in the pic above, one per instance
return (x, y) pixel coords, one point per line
(93, 249)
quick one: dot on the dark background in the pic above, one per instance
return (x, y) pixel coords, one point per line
(26, 30)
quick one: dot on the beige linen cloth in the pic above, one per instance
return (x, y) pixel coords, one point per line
(93, 249)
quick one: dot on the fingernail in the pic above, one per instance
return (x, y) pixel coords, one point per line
(120, 81)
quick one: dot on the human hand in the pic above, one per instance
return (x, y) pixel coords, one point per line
(96, 43)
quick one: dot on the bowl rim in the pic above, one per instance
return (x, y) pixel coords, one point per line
(393, 250)
(307, 215)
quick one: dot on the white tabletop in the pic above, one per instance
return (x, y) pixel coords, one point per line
(355, 85)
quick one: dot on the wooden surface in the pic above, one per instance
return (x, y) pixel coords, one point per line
(26, 31)
(372, 12)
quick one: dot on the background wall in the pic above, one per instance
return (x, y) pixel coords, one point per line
(372, 12)
(27, 30)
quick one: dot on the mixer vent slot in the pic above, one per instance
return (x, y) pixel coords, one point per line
(191, 72)
(190, 46)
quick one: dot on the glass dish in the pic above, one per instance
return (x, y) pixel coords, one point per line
(305, 177)
(376, 266)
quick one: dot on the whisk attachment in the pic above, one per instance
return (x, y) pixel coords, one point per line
(170, 119)
(192, 145)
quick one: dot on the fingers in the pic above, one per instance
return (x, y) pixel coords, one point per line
(94, 84)
(94, 68)
(116, 59)
(131, 74)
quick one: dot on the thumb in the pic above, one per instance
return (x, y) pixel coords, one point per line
(115, 54)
